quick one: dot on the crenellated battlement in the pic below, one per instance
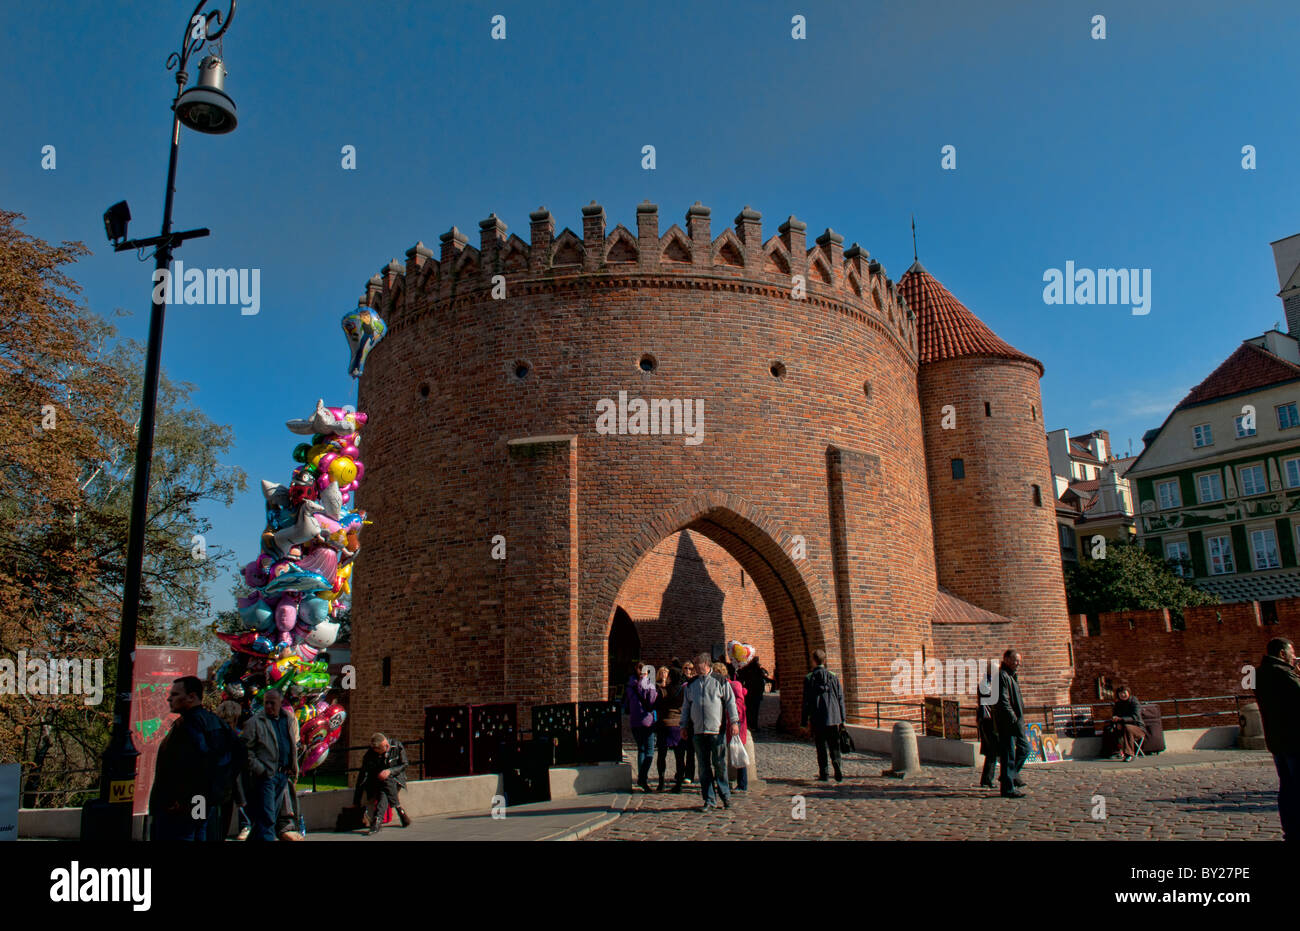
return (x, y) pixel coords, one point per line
(737, 257)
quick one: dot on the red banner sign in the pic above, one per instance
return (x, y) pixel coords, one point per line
(155, 670)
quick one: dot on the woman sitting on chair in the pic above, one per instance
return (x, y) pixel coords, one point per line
(1125, 728)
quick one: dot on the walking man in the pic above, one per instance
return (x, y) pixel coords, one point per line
(1009, 719)
(823, 706)
(988, 731)
(271, 736)
(1277, 689)
(195, 760)
(706, 703)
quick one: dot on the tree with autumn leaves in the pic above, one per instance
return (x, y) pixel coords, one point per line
(69, 402)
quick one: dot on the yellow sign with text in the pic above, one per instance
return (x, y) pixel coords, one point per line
(121, 791)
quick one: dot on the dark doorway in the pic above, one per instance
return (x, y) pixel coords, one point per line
(624, 650)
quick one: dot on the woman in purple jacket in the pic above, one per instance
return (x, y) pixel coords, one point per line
(639, 701)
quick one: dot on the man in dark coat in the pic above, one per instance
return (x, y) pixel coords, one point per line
(752, 678)
(1277, 689)
(194, 763)
(823, 706)
(1009, 718)
(988, 731)
(383, 774)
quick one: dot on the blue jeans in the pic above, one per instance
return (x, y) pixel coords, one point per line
(265, 803)
(1288, 794)
(645, 753)
(1014, 747)
(711, 754)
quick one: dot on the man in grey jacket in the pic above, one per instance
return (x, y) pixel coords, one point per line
(271, 736)
(705, 702)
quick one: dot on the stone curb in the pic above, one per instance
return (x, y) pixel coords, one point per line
(587, 827)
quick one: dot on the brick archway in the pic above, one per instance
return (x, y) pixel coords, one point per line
(761, 547)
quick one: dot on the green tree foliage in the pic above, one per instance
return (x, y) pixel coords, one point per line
(1128, 578)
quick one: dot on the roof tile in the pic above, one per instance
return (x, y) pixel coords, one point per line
(949, 609)
(1247, 369)
(945, 328)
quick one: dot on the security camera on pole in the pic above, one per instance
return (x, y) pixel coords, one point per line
(205, 108)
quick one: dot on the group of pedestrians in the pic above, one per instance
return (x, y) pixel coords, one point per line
(211, 766)
(702, 711)
(695, 709)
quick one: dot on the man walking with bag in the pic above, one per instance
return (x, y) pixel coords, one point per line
(823, 706)
(1009, 717)
(706, 704)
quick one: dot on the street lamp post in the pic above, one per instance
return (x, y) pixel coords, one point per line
(204, 108)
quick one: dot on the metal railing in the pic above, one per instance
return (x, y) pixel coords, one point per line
(412, 762)
(1175, 713)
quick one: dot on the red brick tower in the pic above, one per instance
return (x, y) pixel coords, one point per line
(995, 535)
(508, 512)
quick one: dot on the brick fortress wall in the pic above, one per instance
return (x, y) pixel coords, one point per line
(482, 422)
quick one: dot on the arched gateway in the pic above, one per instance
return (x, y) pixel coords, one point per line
(544, 413)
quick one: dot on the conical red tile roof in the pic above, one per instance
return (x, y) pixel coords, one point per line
(945, 328)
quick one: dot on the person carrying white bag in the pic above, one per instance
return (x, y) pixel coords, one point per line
(740, 748)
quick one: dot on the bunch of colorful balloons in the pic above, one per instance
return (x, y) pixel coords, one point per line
(302, 578)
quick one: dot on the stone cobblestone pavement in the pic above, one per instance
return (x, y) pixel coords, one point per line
(1212, 795)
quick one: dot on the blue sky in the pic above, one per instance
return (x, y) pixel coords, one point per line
(1124, 152)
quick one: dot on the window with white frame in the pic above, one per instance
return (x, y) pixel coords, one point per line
(1219, 553)
(1168, 494)
(1263, 547)
(1292, 469)
(1287, 416)
(1176, 551)
(1202, 435)
(1250, 479)
(1242, 431)
(1209, 487)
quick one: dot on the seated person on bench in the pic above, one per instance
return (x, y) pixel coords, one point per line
(383, 773)
(1124, 730)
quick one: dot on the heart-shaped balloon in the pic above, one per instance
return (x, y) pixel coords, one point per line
(740, 654)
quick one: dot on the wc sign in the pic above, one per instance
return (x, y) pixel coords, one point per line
(122, 790)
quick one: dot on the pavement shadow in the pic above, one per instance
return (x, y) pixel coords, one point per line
(592, 810)
(1245, 801)
(880, 788)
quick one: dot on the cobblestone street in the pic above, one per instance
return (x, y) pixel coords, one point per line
(1225, 795)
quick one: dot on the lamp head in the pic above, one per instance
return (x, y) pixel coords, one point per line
(206, 107)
